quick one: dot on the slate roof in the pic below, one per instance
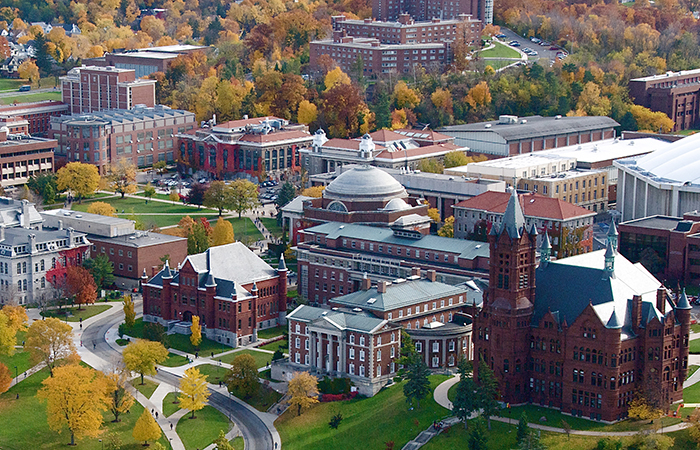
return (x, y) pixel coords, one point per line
(567, 286)
(513, 218)
(533, 205)
(536, 126)
(465, 248)
(399, 295)
(337, 319)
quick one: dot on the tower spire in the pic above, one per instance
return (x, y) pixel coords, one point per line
(545, 250)
(613, 235)
(513, 218)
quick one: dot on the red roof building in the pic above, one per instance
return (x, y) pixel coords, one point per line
(570, 227)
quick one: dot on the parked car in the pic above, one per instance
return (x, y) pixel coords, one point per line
(501, 36)
(554, 47)
(535, 40)
(25, 88)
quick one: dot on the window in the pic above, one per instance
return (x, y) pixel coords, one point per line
(362, 340)
(379, 355)
(297, 342)
(351, 355)
(352, 338)
(419, 346)
(362, 355)
(436, 346)
(362, 371)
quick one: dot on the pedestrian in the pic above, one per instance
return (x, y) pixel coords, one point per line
(156, 415)
(171, 426)
(81, 325)
(152, 410)
(212, 354)
(94, 345)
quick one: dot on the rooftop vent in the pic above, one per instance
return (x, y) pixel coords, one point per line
(357, 310)
(371, 301)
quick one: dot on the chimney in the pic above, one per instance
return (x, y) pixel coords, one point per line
(661, 299)
(431, 275)
(366, 283)
(636, 311)
(415, 271)
(32, 243)
(70, 235)
(60, 225)
(25, 214)
(381, 287)
(154, 271)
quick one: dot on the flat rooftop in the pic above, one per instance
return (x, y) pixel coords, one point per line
(655, 222)
(668, 75)
(517, 162)
(598, 151)
(138, 239)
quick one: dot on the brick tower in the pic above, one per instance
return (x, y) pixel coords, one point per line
(503, 325)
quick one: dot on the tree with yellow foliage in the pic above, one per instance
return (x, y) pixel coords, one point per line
(456, 159)
(405, 97)
(196, 329)
(313, 191)
(141, 356)
(174, 196)
(648, 120)
(122, 176)
(591, 102)
(75, 399)
(442, 99)
(29, 71)
(434, 214)
(102, 208)
(399, 119)
(194, 391)
(448, 228)
(96, 51)
(307, 112)
(146, 428)
(222, 233)
(119, 400)
(479, 96)
(13, 319)
(302, 391)
(81, 179)
(51, 341)
(129, 312)
(334, 78)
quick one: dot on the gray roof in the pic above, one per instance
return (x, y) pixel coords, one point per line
(683, 301)
(18, 236)
(337, 319)
(117, 116)
(536, 126)
(569, 285)
(399, 295)
(138, 239)
(234, 262)
(655, 222)
(465, 248)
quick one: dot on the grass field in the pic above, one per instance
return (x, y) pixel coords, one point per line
(11, 84)
(695, 328)
(691, 394)
(28, 98)
(19, 359)
(271, 224)
(238, 443)
(243, 227)
(180, 341)
(261, 358)
(200, 432)
(171, 404)
(174, 360)
(385, 417)
(29, 429)
(691, 370)
(271, 332)
(265, 398)
(499, 51)
(695, 346)
(214, 373)
(147, 388)
(146, 212)
(76, 314)
(273, 346)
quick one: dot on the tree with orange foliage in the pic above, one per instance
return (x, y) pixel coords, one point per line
(81, 286)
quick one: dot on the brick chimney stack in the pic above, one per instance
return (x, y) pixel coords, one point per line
(366, 283)
(431, 275)
(661, 299)
(415, 272)
(381, 287)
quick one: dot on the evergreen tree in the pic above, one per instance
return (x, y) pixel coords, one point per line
(42, 56)
(286, 194)
(465, 401)
(381, 106)
(487, 392)
(523, 429)
(417, 387)
(477, 438)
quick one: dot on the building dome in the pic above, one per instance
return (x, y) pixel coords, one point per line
(365, 183)
(396, 204)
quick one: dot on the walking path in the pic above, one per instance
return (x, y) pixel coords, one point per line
(440, 396)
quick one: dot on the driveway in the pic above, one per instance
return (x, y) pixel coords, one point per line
(545, 55)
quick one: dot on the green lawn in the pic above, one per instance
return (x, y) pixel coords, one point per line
(385, 417)
(157, 195)
(269, 333)
(28, 98)
(171, 404)
(261, 358)
(685, 132)
(244, 230)
(273, 346)
(76, 314)
(174, 360)
(695, 346)
(182, 343)
(499, 51)
(265, 398)
(147, 388)
(122, 342)
(19, 359)
(691, 394)
(695, 328)
(271, 224)
(238, 443)
(29, 430)
(11, 84)
(214, 373)
(200, 432)
(691, 370)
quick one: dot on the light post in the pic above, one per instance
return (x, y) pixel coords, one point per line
(102, 444)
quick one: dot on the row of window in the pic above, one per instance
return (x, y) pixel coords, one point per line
(129, 254)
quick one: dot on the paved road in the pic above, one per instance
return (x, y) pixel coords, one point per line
(255, 433)
(33, 91)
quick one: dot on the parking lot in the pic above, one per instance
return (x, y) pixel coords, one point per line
(545, 53)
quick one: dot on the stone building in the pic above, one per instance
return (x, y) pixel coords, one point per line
(232, 290)
(583, 334)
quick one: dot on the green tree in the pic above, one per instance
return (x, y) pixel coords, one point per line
(122, 177)
(42, 55)
(197, 239)
(149, 191)
(219, 196)
(159, 166)
(464, 403)
(129, 313)
(101, 269)
(286, 194)
(196, 194)
(487, 392)
(242, 380)
(430, 165)
(222, 443)
(456, 159)
(417, 386)
(478, 440)
(407, 355)
(174, 196)
(244, 196)
(523, 429)
(45, 186)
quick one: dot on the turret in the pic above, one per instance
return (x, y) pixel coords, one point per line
(545, 250)
(610, 260)
(613, 235)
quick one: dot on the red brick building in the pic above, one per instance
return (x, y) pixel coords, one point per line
(393, 47)
(23, 156)
(232, 290)
(569, 227)
(92, 88)
(583, 334)
(674, 93)
(423, 10)
(360, 347)
(255, 146)
(36, 115)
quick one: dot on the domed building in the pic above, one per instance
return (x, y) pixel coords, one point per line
(366, 195)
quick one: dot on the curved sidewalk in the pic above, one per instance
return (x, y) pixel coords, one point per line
(440, 396)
